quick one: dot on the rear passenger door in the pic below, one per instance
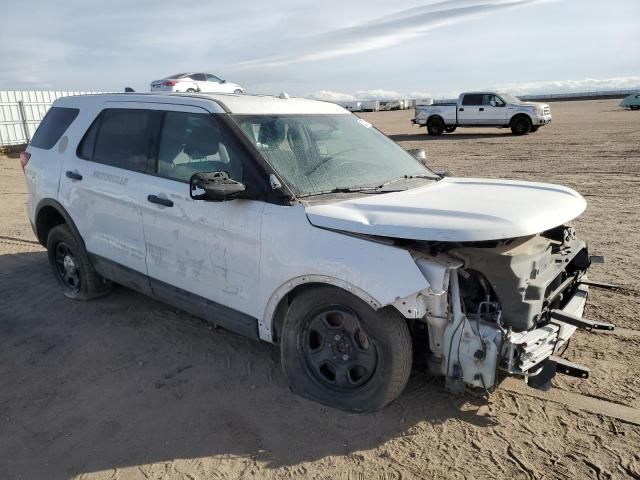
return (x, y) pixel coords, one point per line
(468, 111)
(99, 187)
(199, 249)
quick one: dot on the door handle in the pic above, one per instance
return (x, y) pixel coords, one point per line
(461, 109)
(73, 175)
(160, 201)
(481, 109)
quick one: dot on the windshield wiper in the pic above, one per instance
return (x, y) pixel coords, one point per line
(409, 177)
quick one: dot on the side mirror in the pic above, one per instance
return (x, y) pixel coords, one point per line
(216, 186)
(419, 154)
(223, 81)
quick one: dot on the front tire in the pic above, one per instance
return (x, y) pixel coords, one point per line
(635, 107)
(435, 126)
(191, 90)
(72, 268)
(521, 125)
(237, 91)
(338, 351)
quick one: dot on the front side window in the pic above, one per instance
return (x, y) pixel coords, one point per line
(122, 138)
(323, 153)
(53, 126)
(213, 78)
(193, 143)
(491, 100)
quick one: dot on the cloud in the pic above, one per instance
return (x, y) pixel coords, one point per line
(382, 32)
(571, 86)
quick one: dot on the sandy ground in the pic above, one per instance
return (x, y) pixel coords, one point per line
(127, 388)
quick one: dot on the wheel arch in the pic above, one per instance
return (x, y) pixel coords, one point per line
(49, 214)
(412, 306)
(520, 115)
(436, 116)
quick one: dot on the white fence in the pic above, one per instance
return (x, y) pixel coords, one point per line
(22, 111)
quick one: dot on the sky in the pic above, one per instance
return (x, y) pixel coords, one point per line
(331, 49)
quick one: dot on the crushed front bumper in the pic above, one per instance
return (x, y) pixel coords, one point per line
(526, 350)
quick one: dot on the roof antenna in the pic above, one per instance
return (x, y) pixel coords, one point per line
(284, 96)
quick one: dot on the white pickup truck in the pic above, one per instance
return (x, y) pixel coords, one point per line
(483, 109)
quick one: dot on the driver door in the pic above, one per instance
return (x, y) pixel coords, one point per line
(199, 251)
(493, 111)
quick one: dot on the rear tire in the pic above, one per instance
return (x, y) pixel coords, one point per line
(521, 125)
(435, 126)
(450, 129)
(338, 351)
(635, 107)
(72, 268)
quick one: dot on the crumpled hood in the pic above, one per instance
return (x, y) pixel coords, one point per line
(454, 210)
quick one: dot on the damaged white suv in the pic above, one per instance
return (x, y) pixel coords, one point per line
(295, 222)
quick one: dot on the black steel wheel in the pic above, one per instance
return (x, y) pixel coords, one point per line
(435, 126)
(67, 267)
(521, 125)
(72, 268)
(338, 351)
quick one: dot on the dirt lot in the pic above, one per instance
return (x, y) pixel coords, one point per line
(127, 388)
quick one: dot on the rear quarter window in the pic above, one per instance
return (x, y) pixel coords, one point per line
(53, 126)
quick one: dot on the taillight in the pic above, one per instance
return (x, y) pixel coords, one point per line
(24, 159)
(170, 83)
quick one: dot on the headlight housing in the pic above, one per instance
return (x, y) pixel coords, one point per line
(539, 110)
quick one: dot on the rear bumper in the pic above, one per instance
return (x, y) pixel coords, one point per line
(526, 350)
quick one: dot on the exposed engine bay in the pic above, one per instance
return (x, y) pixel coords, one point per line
(504, 306)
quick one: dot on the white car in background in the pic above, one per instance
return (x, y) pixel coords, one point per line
(195, 82)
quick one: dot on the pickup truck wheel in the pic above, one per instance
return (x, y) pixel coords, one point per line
(435, 126)
(450, 129)
(338, 351)
(521, 125)
(72, 268)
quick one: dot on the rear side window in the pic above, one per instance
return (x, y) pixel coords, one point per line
(472, 99)
(53, 125)
(122, 138)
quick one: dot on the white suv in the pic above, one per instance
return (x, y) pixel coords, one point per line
(295, 222)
